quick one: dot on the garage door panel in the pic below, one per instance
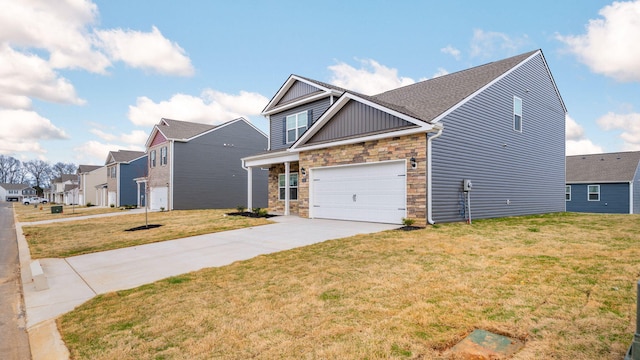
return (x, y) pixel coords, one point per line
(372, 192)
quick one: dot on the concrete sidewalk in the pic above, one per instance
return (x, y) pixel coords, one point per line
(76, 218)
(74, 280)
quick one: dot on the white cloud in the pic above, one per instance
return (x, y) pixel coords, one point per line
(610, 45)
(20, 131)
(23, 76)
(150, 50)
(211, 107)
(576, 141)
(135, 137)
(486, 44)
(451, 51)
(372, 78)
(629, 124)
(440, 72)
(95, 152)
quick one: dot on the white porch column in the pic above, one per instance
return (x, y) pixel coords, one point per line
(286, 188)
(249, 188)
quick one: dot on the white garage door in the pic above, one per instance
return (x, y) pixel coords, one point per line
(158, 198)
(112, 198)
(373, 192)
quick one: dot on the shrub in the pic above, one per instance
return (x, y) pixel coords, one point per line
(407, 222)
(89, 204)
(241, 208)
(112, 205)
(263, 212)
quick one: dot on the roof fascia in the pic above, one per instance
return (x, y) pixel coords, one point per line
(287, 85)
(340, 103)
(468, 98)
(356, 140)
(555, 87)
(270, 158)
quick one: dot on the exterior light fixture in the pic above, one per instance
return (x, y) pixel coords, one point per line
(303, 171)
(413, 162)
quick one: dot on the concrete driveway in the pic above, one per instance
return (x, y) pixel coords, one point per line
(74, 280)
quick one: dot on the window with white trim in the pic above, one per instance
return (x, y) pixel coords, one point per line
(517, 114)
(113, 172)
(567, 193)
(593, 192)
(293, 186)
(296, 125)
(163, 155)
(152, 159)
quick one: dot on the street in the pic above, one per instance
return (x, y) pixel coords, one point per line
(14, 342)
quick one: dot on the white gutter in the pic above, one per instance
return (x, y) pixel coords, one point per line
(429, 140)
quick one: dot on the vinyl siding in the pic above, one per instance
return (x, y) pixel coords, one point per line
(356, 118)
(277, 121)
(208, 174)
(128, 191)
(298, 90)
(513, 173)
(614, 199)
(636, 192)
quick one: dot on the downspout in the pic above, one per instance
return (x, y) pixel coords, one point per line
(440, 128)
(249, 185)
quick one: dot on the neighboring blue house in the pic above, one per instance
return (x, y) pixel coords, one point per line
(123, 167)
(197, 166)
(406, 153)
(604, 183)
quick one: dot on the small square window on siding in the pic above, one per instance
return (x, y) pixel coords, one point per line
(296, 125)
(293, 187)
(593, 192)
(517, 114)
(567, 193)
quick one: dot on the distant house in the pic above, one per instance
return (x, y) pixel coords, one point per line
(90, 176)
(15, 192)
(604, 183)
(60, 191)
(497, 128)
(123, 166)
(197, 166)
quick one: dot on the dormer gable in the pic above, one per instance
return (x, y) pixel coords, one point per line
(298, 90)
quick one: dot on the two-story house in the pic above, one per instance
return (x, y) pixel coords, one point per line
(89, 177)
(15, 192)
(123, 167)
(482, 142)
(62, 189)
(197, 166)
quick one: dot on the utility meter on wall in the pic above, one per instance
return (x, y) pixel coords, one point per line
(467, 185)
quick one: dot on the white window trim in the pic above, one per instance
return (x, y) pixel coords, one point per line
(297, 128)
(589, 193)
(163, 156)
(515, 98)
(290, 186)
(568, 187)
(152, 159)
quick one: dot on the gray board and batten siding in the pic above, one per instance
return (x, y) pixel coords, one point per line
(513, 173)
(208, 171)
(614, 199)
(297, 91)
(356, 118)
(278, 121)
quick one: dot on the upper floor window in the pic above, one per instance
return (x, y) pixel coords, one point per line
(152, 159)
(112, 172)
(163, 155)
(517, 114)
(593, 192)
(567, 193)
(296, 125)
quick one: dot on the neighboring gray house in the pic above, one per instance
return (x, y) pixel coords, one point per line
(406, 153)
(15, 192)
(123, 167)
(604, 183)
(197, 166)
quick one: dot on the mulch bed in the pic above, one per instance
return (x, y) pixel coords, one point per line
(410, 228)
(144, 227)
(250, 214)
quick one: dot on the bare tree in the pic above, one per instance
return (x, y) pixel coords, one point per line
(11, 170)
(60, 168)
(39, 170)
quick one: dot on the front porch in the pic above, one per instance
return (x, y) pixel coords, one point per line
(283, 194)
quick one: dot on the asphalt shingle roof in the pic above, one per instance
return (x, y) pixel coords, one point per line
(87, 168)
(7, 186)
(124, 155)
(182, 130)
(428, 99)
(610, 167)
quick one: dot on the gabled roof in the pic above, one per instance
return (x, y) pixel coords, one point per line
(8, 186)
(181, 130)
(324, 90)
(69, 187)
(429, 99)
(123, 156)
(602, 168)
(87, 168)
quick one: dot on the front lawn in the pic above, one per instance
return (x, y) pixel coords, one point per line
(562, 283)
(64, 239)
(38, 212)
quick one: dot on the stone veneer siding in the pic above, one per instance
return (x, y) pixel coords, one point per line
(276, 205)
(395, 148)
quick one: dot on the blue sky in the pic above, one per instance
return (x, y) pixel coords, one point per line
(80, 78)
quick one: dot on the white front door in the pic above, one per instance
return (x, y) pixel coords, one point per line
(374, 192)
(112, 198)
(158, 198)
